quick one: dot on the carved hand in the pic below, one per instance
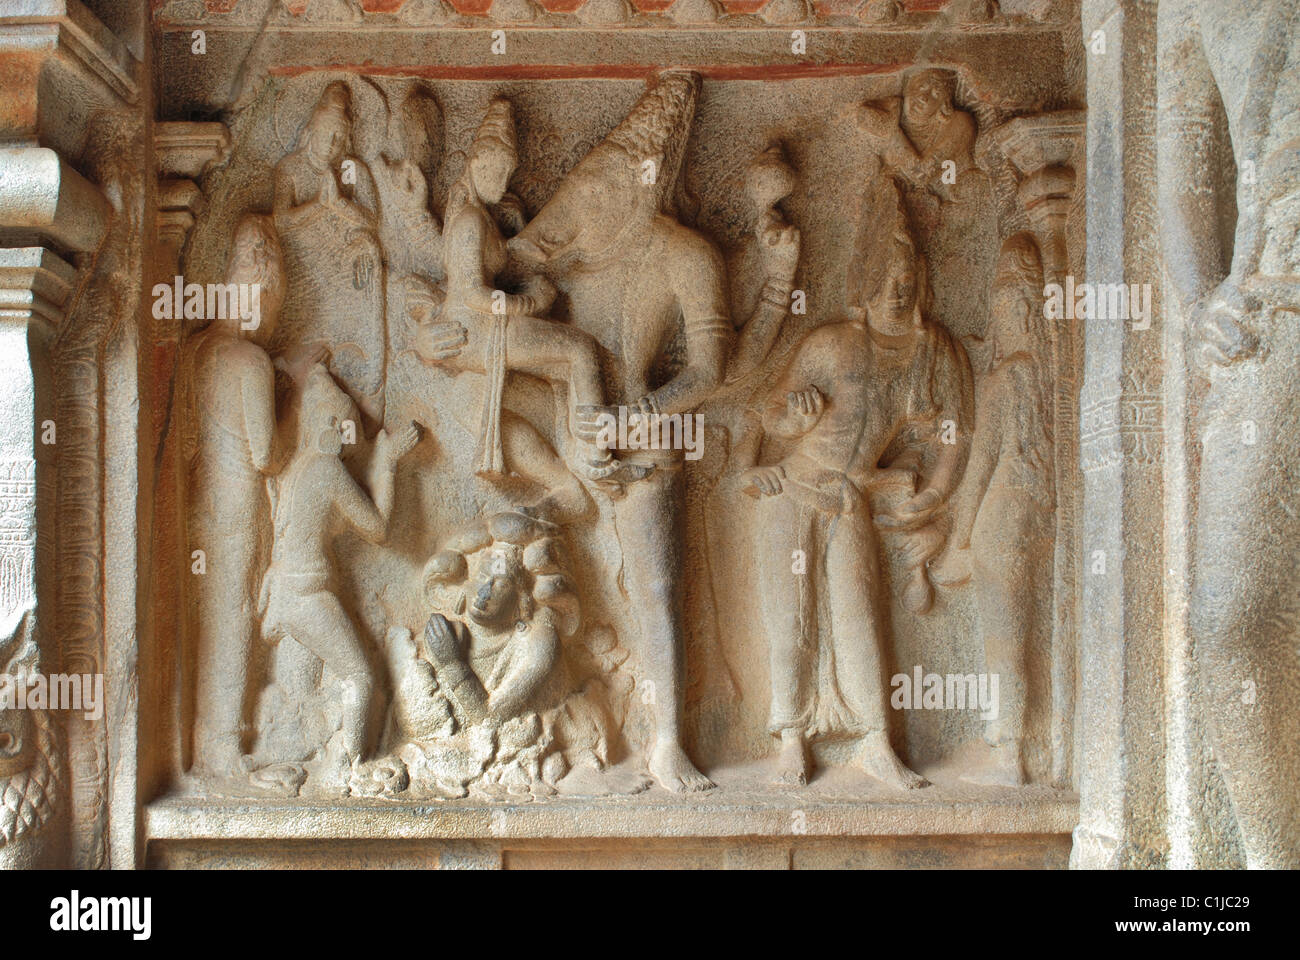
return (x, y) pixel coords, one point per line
(763, 481)
(542, 291)
(440, 341)
(779, 247)
(803, 408)
(394, 447)
(912, 513)
(588, 420)
(329, 189)
(440, 643)
(1217, 330)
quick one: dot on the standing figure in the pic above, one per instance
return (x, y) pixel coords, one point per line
(489, 331)
(231, 444)
(315, 498)
(847, 395)
(325, 215)
(1004, 511)
(653, 293)
(1230, 74)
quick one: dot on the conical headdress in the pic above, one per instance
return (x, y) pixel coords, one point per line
(498, 128)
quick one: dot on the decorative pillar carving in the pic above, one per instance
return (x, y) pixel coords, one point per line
(1042, 148)
(67, 80)
(34, 286)
(1122, 415)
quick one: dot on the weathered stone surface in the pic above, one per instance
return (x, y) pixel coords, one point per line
(471, 446)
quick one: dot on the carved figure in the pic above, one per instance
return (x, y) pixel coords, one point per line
(503, 609)
(489, 331)
(845, 397)
(315, 498)
(1229, 74)
(232, 443)
(923, 136)
(1004, 520)
(325, 215)
(637, 280)
(777, 243)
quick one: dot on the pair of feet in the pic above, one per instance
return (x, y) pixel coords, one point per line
(877, 758)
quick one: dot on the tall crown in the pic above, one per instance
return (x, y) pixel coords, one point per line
(498, 126)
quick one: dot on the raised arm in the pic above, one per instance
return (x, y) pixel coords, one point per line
(370, 519)
(698, 278)
(466, 234)
(779, 245)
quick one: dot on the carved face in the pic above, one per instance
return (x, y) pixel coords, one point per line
(599, 205)
(493, 594)
(924, 94)
(491, 168)
(330, 413)
(892, 306)
(328, 136)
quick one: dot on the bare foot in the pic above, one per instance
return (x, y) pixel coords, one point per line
(1004, 768)
(674, 771)
(284, 779)
(792, 761)
(382, 777)
(880, 761)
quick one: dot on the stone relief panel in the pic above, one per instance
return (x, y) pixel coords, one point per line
(591, 437)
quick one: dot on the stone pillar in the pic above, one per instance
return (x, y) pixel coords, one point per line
(34, 287)
(1043, 149)
(1122, 736)
(67, 79)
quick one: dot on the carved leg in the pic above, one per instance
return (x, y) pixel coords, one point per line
(853, 582)
(319, 622)
(651, 544)
(1245, 614)
(227, 626)
(1004, 596)
(563, 354)
(783, 561)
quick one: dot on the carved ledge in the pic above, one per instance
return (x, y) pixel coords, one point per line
(34, 282)
(61, 66)
(43, 198)
(1045, 139)
(186, 149)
